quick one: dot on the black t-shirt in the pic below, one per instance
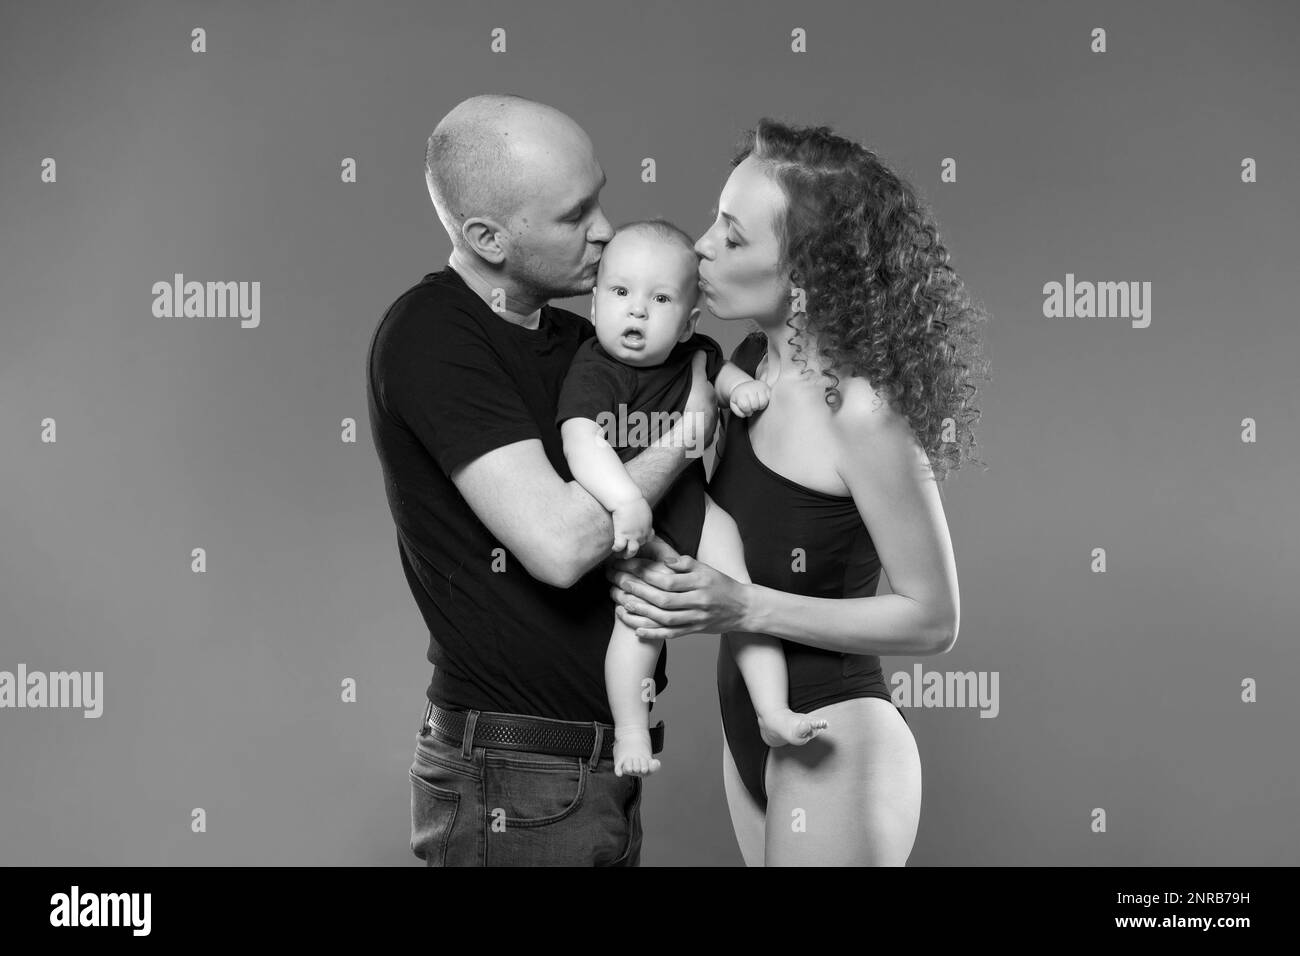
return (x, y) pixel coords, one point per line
(640, 402)
(448, 379)
(599, 383)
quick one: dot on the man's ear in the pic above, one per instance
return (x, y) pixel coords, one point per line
(484, 238)
(689, 330)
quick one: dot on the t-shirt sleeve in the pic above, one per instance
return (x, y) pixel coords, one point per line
(441, 377)
(713, 357)
(591, 386)
(749, 352)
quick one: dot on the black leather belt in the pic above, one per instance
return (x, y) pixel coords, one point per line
(540, 735)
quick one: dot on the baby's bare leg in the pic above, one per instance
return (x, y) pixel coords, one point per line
(759, 657)
(629, 682)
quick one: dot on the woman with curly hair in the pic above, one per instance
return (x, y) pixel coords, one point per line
(868, 343)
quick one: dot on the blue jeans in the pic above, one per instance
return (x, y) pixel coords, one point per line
(486, 807)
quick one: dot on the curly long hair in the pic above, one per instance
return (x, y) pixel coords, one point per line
(881, 300)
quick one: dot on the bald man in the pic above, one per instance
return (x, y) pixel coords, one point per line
(502, 549)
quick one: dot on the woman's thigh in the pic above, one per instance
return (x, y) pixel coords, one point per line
(850, 797)
(746, 814)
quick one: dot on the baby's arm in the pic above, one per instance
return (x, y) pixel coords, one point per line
(596, 466)
(737, 388)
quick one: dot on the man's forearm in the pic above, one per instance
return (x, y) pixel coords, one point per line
(655, 470)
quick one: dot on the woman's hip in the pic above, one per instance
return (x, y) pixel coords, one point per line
(867, 741)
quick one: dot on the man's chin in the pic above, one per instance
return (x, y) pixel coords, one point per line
(580, 286)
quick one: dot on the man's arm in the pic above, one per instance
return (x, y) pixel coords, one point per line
(655, 469)
(556, 528)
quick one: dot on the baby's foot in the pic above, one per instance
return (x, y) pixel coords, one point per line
(782, 727)
(632, 754)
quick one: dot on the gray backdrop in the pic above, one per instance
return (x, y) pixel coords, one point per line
(1120, 691)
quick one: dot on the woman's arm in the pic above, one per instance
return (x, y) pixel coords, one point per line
(891, 482)
(690, 597)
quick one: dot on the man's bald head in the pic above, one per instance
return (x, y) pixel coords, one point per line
(491, 152)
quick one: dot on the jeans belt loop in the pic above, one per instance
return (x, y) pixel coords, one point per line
(426, 725)
(467, 742)
(600, 740)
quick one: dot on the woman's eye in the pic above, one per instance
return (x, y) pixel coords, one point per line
(729, 244)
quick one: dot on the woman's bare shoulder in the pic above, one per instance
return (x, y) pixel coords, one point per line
(862, 407)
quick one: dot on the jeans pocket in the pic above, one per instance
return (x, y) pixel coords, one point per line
(433, 815)
(531, 790)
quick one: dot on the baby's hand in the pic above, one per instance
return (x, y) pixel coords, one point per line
(632, 526)
(750, 397)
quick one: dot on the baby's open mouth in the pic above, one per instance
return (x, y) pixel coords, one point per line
(633, 338)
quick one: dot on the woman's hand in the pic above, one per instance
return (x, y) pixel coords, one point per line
(671, 595)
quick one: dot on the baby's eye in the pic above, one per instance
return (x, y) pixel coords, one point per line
(662, 297)
(619, 290)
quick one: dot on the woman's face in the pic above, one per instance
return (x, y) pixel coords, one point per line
(739, 253)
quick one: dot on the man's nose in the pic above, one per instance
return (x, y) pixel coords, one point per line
(601, 230)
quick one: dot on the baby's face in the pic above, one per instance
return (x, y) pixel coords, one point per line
(644, 298)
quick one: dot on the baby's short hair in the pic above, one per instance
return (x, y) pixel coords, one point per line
(661, 229)
(668, 232)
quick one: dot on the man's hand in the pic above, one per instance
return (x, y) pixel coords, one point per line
(700, 415)
(632, 521)
(750, 397)
(671, 595)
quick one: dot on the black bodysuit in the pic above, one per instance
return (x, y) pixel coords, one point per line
(835, 559)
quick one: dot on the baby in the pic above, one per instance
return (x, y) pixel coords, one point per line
(634, 376)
